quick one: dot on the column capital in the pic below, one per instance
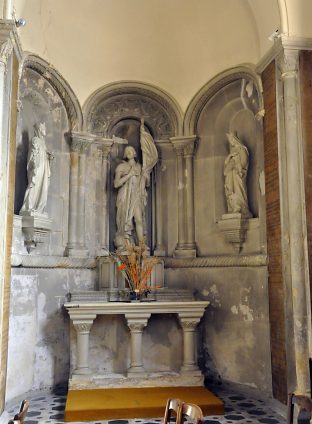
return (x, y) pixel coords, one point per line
(83, 324)
(288, 63)
(189, 323)
(8, 33)
(137, 324)
(104, 146)
(6, 49)
(184, 145)
(80, 141)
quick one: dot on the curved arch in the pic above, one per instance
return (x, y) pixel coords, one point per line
(61, 86)
(212, 87)
(135, 92)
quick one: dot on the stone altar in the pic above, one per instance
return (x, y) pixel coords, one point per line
(83, 314)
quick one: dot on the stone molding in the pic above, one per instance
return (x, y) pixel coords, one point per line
(63, 89)
(200, 100)
(133, 99)
(217, 261)
(29, 261)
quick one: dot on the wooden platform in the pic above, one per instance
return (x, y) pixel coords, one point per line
(106, 404)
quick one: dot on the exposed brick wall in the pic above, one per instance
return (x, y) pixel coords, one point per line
(276, 290)
(305, 63)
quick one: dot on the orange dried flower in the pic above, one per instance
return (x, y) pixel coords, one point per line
(121, 267)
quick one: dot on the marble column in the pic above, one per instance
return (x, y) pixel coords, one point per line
(136, 326)
(8, 9)
(294, 226)
(76, 245)
(104, 147)
(185, 148)
(189, 344)
(83, 327)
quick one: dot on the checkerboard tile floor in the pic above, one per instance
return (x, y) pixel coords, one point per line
(48, 408)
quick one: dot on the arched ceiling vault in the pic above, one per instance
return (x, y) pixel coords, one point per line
(178, 46)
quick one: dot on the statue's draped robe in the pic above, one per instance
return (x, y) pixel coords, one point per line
(235, 172)
(132, 194)
(38, 173)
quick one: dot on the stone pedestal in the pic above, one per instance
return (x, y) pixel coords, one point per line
(234, 227)
(36, 228)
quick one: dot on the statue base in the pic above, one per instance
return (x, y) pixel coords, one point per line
(36, 228)
(234, 227)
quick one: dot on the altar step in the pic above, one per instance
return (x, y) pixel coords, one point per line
(106, 404)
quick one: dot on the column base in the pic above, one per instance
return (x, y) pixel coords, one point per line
(160, 251)
(184, 252)
(76, 252)
(190, 369)
(136, 371)
(102, 252)
(82, 371)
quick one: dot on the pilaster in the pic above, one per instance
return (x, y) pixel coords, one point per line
(80, 143)
(185, 149)
(294, 226)
(104, 146)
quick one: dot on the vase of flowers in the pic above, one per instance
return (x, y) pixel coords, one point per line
(136, 267)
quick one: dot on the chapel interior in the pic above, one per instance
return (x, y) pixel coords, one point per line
(185, 124)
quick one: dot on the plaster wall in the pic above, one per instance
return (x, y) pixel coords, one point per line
(234, 335)
(175, 45)
(39, 327)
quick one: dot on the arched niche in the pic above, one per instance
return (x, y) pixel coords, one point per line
(128, 99)
(232, 102)
(44, 96)
(116, 110)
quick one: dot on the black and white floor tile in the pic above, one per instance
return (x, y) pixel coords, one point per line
(48, 408)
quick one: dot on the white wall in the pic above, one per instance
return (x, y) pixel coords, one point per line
(177, 45)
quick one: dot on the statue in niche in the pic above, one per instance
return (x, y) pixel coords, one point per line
(38, 173)
(235, 173)
(131, 180)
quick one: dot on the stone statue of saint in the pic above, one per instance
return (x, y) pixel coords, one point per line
(131, 180)
(38, 173)
(235, 173)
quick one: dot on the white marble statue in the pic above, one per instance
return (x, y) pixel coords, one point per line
(131, 180)
(38, 173)
(235, 173)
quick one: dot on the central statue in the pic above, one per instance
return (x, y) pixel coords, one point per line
(131, 180)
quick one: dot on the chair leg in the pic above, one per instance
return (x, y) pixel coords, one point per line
(290, 409)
